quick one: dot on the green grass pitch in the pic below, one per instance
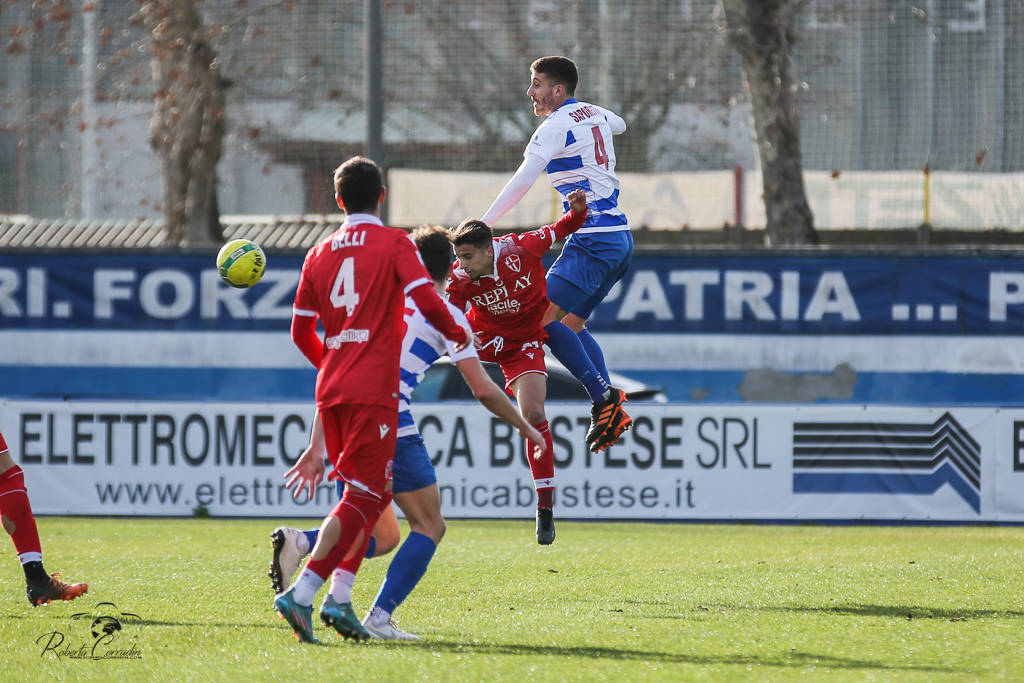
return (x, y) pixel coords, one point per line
(606, 602)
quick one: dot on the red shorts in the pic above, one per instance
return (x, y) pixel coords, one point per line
(361, 444)
(3, 444)
(516, 358)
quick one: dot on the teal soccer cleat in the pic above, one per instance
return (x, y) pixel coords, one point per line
(342, 619)
(299, 617)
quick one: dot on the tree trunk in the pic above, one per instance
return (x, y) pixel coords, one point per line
(763, 33)
(187, 127)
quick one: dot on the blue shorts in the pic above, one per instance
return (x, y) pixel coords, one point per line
(412, 468)
(589, 265)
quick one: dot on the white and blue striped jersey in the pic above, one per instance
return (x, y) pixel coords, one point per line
(576, 143)
(421, 346)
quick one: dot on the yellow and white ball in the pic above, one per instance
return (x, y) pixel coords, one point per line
(241, 263)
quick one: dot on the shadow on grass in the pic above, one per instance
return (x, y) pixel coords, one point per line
(898, 611)
(784, 659)
(270, 623)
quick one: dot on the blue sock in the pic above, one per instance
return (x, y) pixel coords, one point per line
(311, 536)
(406, 569)
(594, 353)
(568, 349)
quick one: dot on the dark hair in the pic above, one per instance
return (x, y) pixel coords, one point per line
(358, 182)
(435, 249)
(473, 232)
(560, 70)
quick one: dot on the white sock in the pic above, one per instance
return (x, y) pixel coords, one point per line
(304, 590)
(341, 585)
(30, 557)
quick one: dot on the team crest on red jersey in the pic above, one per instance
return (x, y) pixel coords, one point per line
(513, 263)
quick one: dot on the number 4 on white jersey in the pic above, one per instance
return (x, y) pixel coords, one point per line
(343, 293)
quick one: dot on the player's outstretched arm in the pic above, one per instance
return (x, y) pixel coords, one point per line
(516, 188)
(494, 399)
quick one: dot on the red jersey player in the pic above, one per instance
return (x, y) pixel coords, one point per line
(355, 281)
(18, 521)
(502, 281)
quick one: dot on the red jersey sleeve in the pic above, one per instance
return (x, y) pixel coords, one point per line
(305, 296)
(305, 337)
(304, 317)
(412, 274)
(538, 241)
(409, 266)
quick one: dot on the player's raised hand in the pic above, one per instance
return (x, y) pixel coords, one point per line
(534, 437)
(306, 473)
(577, 201)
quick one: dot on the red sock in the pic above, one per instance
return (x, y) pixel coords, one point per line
(351, 563)
(543, 468)
(357, 512)
(17, 513)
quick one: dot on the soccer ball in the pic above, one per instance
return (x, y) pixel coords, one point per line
(241, 263)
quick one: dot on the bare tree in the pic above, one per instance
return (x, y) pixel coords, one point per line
(188, 124)
(763, 32)
(646, 69)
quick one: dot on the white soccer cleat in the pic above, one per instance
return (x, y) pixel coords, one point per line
(288, 555)
(379, 624)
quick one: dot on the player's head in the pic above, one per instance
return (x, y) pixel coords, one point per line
(435, 249)
(473, 247)
(552, 81)
(359, 186)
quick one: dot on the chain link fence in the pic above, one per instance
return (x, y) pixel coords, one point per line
(885, 85)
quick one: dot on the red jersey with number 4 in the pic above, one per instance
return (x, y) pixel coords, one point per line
(355, 281)
(511, 302)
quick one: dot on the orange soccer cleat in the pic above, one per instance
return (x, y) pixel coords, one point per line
(607, 421)
(54, 589)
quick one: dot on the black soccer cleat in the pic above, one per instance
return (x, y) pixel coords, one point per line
(545, 526)
(44, 592)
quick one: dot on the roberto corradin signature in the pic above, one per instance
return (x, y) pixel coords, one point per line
(103, 638)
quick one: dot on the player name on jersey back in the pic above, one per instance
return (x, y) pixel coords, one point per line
(584, 112)
(348, 239)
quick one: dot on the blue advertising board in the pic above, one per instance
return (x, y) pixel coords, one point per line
(709, 327)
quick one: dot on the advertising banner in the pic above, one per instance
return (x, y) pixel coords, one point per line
(713, 328)
(677, 463)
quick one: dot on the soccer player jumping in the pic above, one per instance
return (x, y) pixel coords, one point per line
(502, 281)
(355, 281)
(18, 521)
(574, 146)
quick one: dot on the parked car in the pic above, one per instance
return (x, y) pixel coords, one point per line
(443, 382)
